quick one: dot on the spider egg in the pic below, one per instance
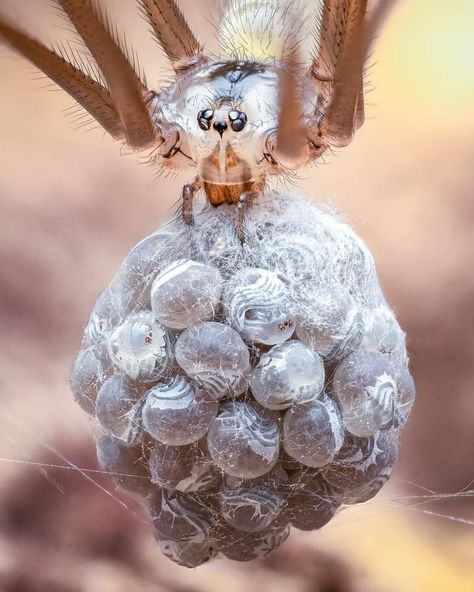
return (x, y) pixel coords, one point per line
(183, 468)
(126, 465)
(88, 375)
(185, 293)
(118, 408)
(384, 335)
(141, 347)
(214, 355)
(108, 312)
(362, 466)
(289, 464)
(288, 374)
(244, 441)
(217, 386)
(170, 464)
(297, 257)
(406, 392)
(258, 305)
(311, 503)
(313, 432)
(328, 323)
(251, 507)
(365, 386)
(185, 553)
(148, 258)
(175, 413)
(239, 546)
(180, 517)
(216, 242)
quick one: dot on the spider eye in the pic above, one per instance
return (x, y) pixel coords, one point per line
(238, 120)
(204, 119)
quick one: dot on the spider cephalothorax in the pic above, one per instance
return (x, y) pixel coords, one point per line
(235, 120)
(224, 112)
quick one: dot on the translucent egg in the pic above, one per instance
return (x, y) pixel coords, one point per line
(187, 553)
(147, 259)
(216, 242)
(328, 322)
(258, 305)
(311, 503)
(244, 441)
(384, 335)
(349, 263)
(297, 257)
(240, 546)
(181, 517)
(126, 466)
(185, 293)
(289, 464)
(169, 465)
(251, 507)
(217, 385)
(288, 374)
(215, 355)
(110, 309)
(313, 432)
(88, 375)
(141, 347)
(362, 466)
(406, 392)
(365, 386)
(184, 468)
(175, 413)
(368, 490)
(118, 409)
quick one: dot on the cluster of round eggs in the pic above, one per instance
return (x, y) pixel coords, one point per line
(243, 388)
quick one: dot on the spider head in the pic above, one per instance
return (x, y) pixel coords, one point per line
(225, 112)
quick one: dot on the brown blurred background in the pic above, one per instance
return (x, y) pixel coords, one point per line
(71, 207)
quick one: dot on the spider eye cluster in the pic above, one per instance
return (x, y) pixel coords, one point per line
(204, 119)
(238, 120)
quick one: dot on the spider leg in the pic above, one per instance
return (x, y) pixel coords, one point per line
(347, 29)
(360, 106)
(338, 68)
(290, 147)
(90, 94)
(171, 29)
(126, 88)
(245, 201)
(379, 11)
(187, 196)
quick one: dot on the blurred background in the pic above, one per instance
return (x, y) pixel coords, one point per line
(71, 206)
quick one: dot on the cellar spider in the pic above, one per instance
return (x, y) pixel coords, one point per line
(237, 121)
